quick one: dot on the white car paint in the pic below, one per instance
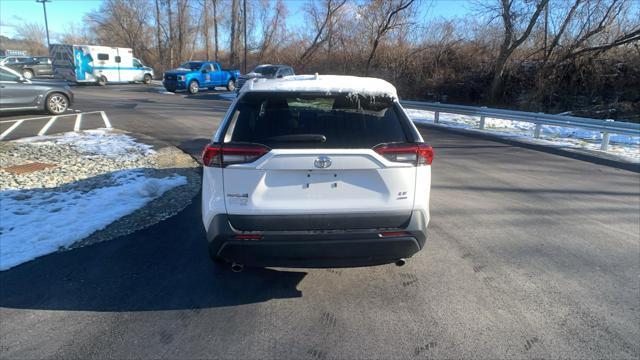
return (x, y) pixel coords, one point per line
(288, 182)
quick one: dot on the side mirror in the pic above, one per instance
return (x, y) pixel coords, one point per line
(23, 80)
(204, 71)
(280, 76)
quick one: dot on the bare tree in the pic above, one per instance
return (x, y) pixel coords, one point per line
(513, 17)
(33, 34)
(159, 46)
(270, 27)
(385, 16)
(234, 33)
(205, 29)
(75, 34)
(171, 34)
(123, 23)
(322, 16)
(539, 55)
(181, 24)
(215, 28)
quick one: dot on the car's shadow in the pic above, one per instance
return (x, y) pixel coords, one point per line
(212, 95)
(6, 114)
(194, 147)
(164, 267)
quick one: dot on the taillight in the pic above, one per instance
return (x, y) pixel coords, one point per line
(211, 155)
(417, 154)
(393, 234)
(248, 237)
(221, 156)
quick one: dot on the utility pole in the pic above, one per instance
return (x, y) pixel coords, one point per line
(46, 24)
(244, 22)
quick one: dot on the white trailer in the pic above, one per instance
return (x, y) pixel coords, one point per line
(97, 64)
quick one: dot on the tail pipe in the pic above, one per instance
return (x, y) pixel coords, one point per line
(401, 262)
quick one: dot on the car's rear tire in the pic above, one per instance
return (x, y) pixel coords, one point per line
(231, 85)
(56, 103)
(27, 74)
(193, 87)
(146, 79)
(102, 81)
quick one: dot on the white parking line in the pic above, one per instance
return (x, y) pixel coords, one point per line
(47, 126)
(47, 117)
(9, 130)
(105, 119)
(76, 127)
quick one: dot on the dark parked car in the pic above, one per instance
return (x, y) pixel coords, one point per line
(18, 93)
(35, 67)
(30, 67)
(266, 71)
(10, 60)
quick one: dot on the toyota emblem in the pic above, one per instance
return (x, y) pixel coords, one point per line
(322, 162)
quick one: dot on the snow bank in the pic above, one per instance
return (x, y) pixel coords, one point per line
(326, 84)
(625, 146)
(99, 142)
(40, 221)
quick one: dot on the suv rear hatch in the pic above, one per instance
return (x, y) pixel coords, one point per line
(294, 161)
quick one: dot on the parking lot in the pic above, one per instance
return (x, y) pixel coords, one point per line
(531, 254)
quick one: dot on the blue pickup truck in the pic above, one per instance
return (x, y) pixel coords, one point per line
(195, 75)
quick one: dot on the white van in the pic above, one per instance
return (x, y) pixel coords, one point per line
(98, 64)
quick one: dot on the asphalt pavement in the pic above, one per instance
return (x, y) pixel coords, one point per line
(531, 254)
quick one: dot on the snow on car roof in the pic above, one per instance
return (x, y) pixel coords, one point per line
(325, 84)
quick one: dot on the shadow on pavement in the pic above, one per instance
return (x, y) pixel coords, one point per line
(212, 95)
(29, 113)
(194, 147)
(163, 267)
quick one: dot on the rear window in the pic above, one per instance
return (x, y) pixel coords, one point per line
(296, 120)
(265, 70)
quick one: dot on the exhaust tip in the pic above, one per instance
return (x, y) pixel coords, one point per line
(401, 262)
(237, 267)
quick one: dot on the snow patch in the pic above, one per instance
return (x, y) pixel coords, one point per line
(97, 142)
(37, 222)
(326, 84)
(625, 146)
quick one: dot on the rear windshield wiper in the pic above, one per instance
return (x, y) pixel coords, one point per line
(299, 138)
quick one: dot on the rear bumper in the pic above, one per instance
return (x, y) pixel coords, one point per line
(315, 248)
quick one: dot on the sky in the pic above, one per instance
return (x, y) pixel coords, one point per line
(62, 13)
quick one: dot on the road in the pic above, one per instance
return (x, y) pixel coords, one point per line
(531, 254)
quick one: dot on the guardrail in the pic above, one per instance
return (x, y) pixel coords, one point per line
(606, 127)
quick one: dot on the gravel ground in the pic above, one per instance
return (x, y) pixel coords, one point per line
(78, 169)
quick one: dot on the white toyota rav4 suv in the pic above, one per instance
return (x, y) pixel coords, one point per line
(316, 171)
